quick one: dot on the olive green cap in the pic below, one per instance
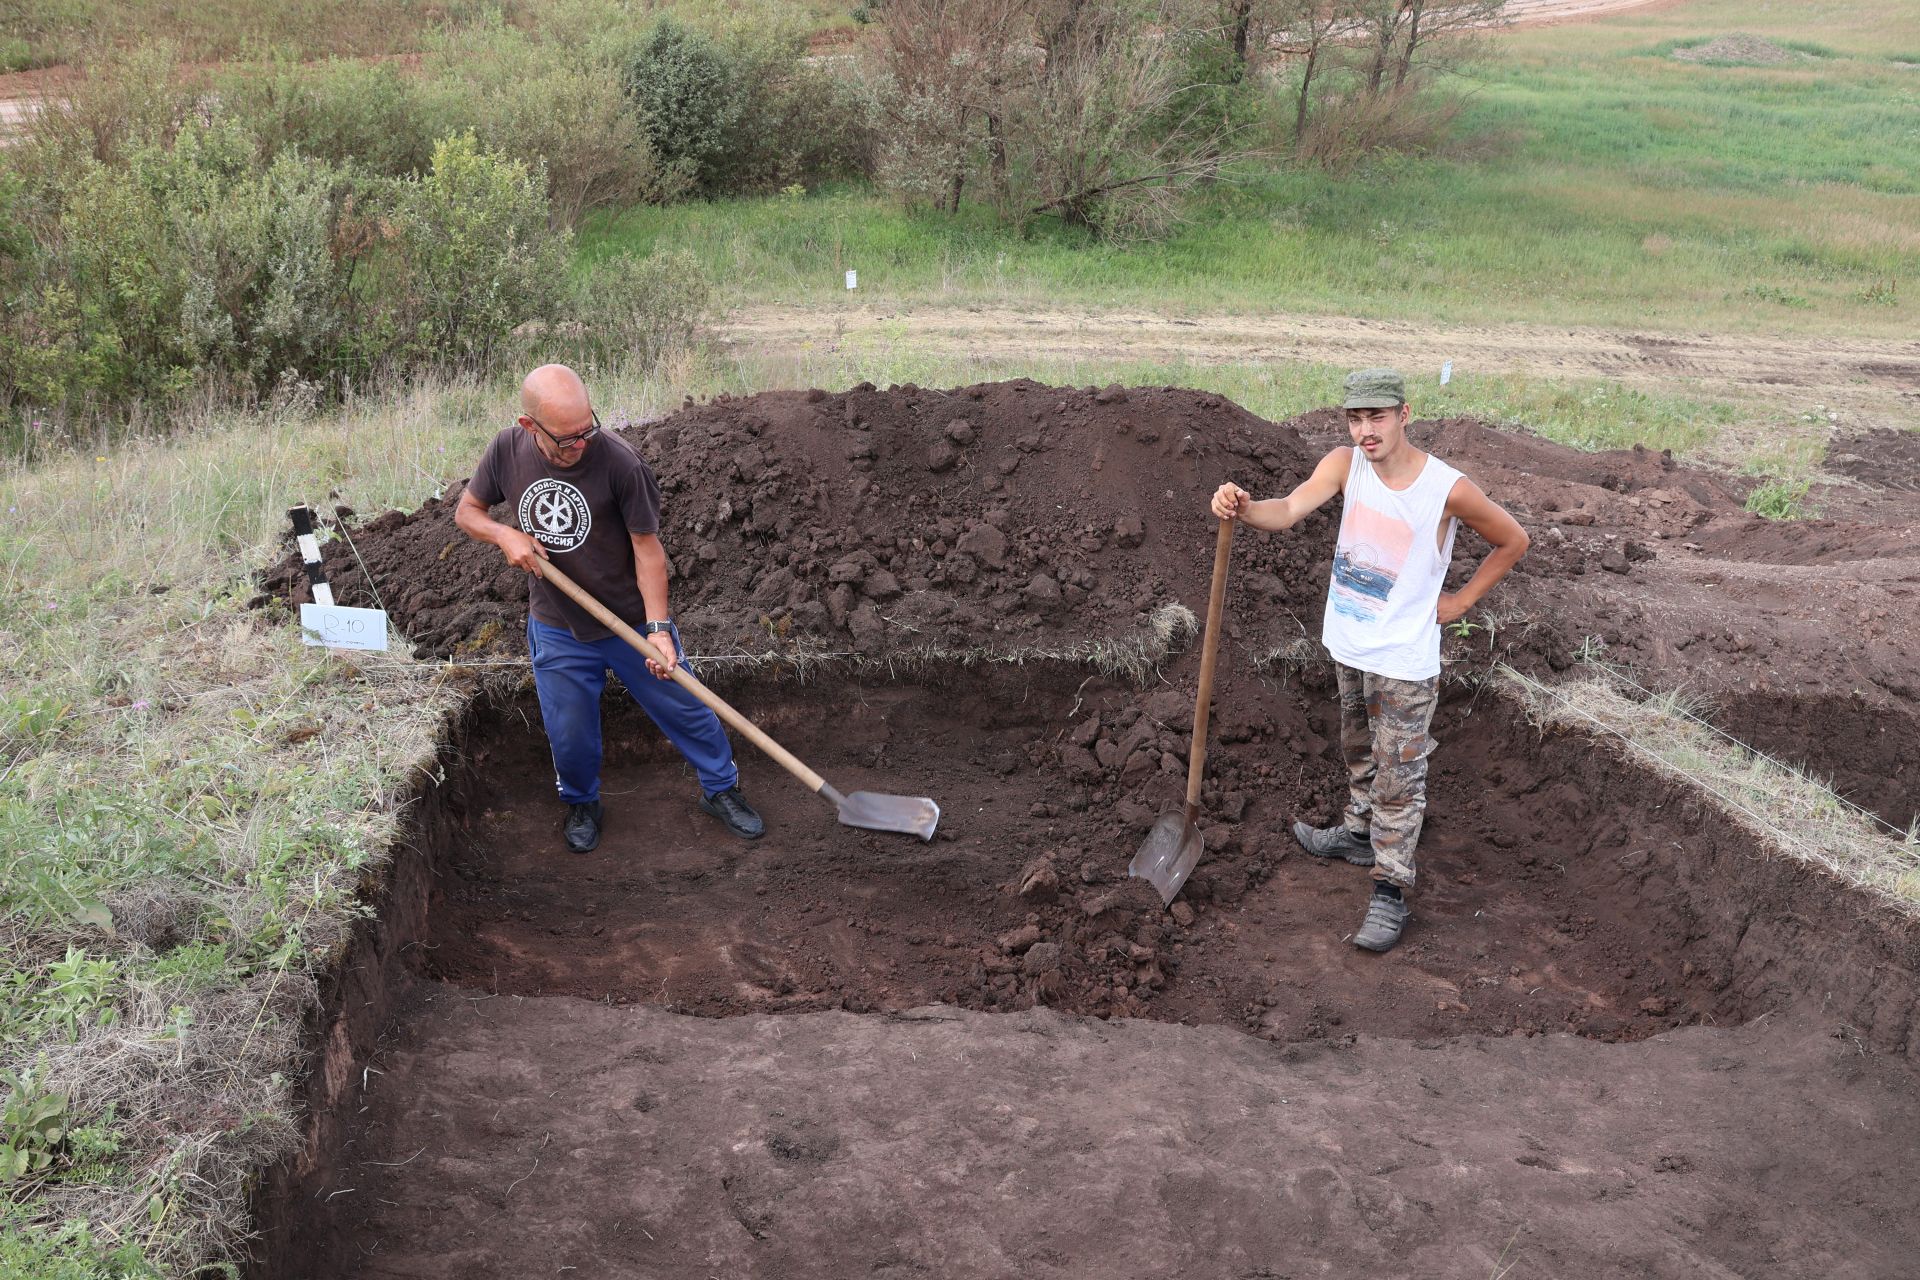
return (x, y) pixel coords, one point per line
(1375, 389)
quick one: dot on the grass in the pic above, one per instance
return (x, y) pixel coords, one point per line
(1592, 180)
(1790, 811)
(1780, 500)
(190, 805)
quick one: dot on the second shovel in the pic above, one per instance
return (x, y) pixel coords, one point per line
(1174, 846)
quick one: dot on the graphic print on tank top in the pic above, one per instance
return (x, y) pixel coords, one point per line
(1367, 561)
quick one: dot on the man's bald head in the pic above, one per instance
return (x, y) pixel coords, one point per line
(554, 392)
(555, 411)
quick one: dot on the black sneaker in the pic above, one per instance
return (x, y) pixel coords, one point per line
(735, 814)
(583, 826)
(1335, 842)
(1386, 917)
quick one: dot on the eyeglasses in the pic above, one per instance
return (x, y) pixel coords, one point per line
(578, 437)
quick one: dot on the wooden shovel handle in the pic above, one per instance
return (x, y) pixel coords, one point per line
(1209, 649)
(685, 679)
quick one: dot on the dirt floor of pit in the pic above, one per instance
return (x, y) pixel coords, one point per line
(509, 1136)
(540, 1099)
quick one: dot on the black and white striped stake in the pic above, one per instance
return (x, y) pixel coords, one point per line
(302, 517)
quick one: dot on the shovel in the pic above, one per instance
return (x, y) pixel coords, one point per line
(1173, 847)
(914, 815)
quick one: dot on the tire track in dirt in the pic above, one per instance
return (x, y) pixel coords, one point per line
(1878, 375)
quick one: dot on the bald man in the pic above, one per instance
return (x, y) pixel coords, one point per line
(580, 493)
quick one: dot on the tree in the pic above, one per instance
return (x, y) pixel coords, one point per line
(1121, 129)
(1398, 32)
(1307, 32)
(952, 73)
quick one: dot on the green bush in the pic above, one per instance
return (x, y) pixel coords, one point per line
(633, 312)
(121, 106)
(117, 299)
(691, 98)
(265, 294)
(478, 255)
(569, 117)
(189, 263)
(340, 112)
(545, 107)
(17, 55)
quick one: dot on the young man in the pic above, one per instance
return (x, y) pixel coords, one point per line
(583, 494)
(1385, 608)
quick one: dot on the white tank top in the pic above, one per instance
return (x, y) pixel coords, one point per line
(1388, 568)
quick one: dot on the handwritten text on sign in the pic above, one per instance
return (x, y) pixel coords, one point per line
(338, 627)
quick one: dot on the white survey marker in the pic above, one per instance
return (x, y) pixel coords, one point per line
(338, 627)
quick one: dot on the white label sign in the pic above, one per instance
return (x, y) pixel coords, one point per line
(338, 627)
(853, 279)
(1446, 373)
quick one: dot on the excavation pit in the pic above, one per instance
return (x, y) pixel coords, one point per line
(834, 1052)
(1518, 927)
(1621, 1037)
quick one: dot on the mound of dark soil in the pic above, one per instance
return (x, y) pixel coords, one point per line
(1013, 520)
(1004, 517)
(1883, 459)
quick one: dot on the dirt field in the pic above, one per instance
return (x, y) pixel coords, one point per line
(1619, 1039)
(1867, 374)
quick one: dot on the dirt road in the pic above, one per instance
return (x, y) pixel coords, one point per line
(14, 114)
(1878, 375)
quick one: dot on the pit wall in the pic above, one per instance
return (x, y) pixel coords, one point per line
(358, 998)
(1756, 931)
(1855, 746)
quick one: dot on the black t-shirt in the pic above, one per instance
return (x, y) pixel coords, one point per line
(583, 515)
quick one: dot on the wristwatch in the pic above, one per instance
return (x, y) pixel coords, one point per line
(655, 628)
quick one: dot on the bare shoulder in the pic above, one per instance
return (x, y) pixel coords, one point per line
(1332, 469)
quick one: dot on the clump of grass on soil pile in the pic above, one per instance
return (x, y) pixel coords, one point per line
(1782, 806)
(190, 804)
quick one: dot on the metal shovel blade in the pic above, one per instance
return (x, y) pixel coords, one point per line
(1168, 854)
(914, 815)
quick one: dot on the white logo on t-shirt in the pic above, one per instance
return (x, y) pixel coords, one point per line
(555, 514)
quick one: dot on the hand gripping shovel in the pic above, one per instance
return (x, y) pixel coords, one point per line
(915, 815)
(1173, 847)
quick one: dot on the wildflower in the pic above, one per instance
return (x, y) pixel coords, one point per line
(141, 705)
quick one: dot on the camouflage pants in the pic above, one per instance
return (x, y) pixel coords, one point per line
(1383, 735)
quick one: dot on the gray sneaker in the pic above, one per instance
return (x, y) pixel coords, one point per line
(1385, 918)
(1335, 842)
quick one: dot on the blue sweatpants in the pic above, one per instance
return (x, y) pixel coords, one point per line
(571, 675)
